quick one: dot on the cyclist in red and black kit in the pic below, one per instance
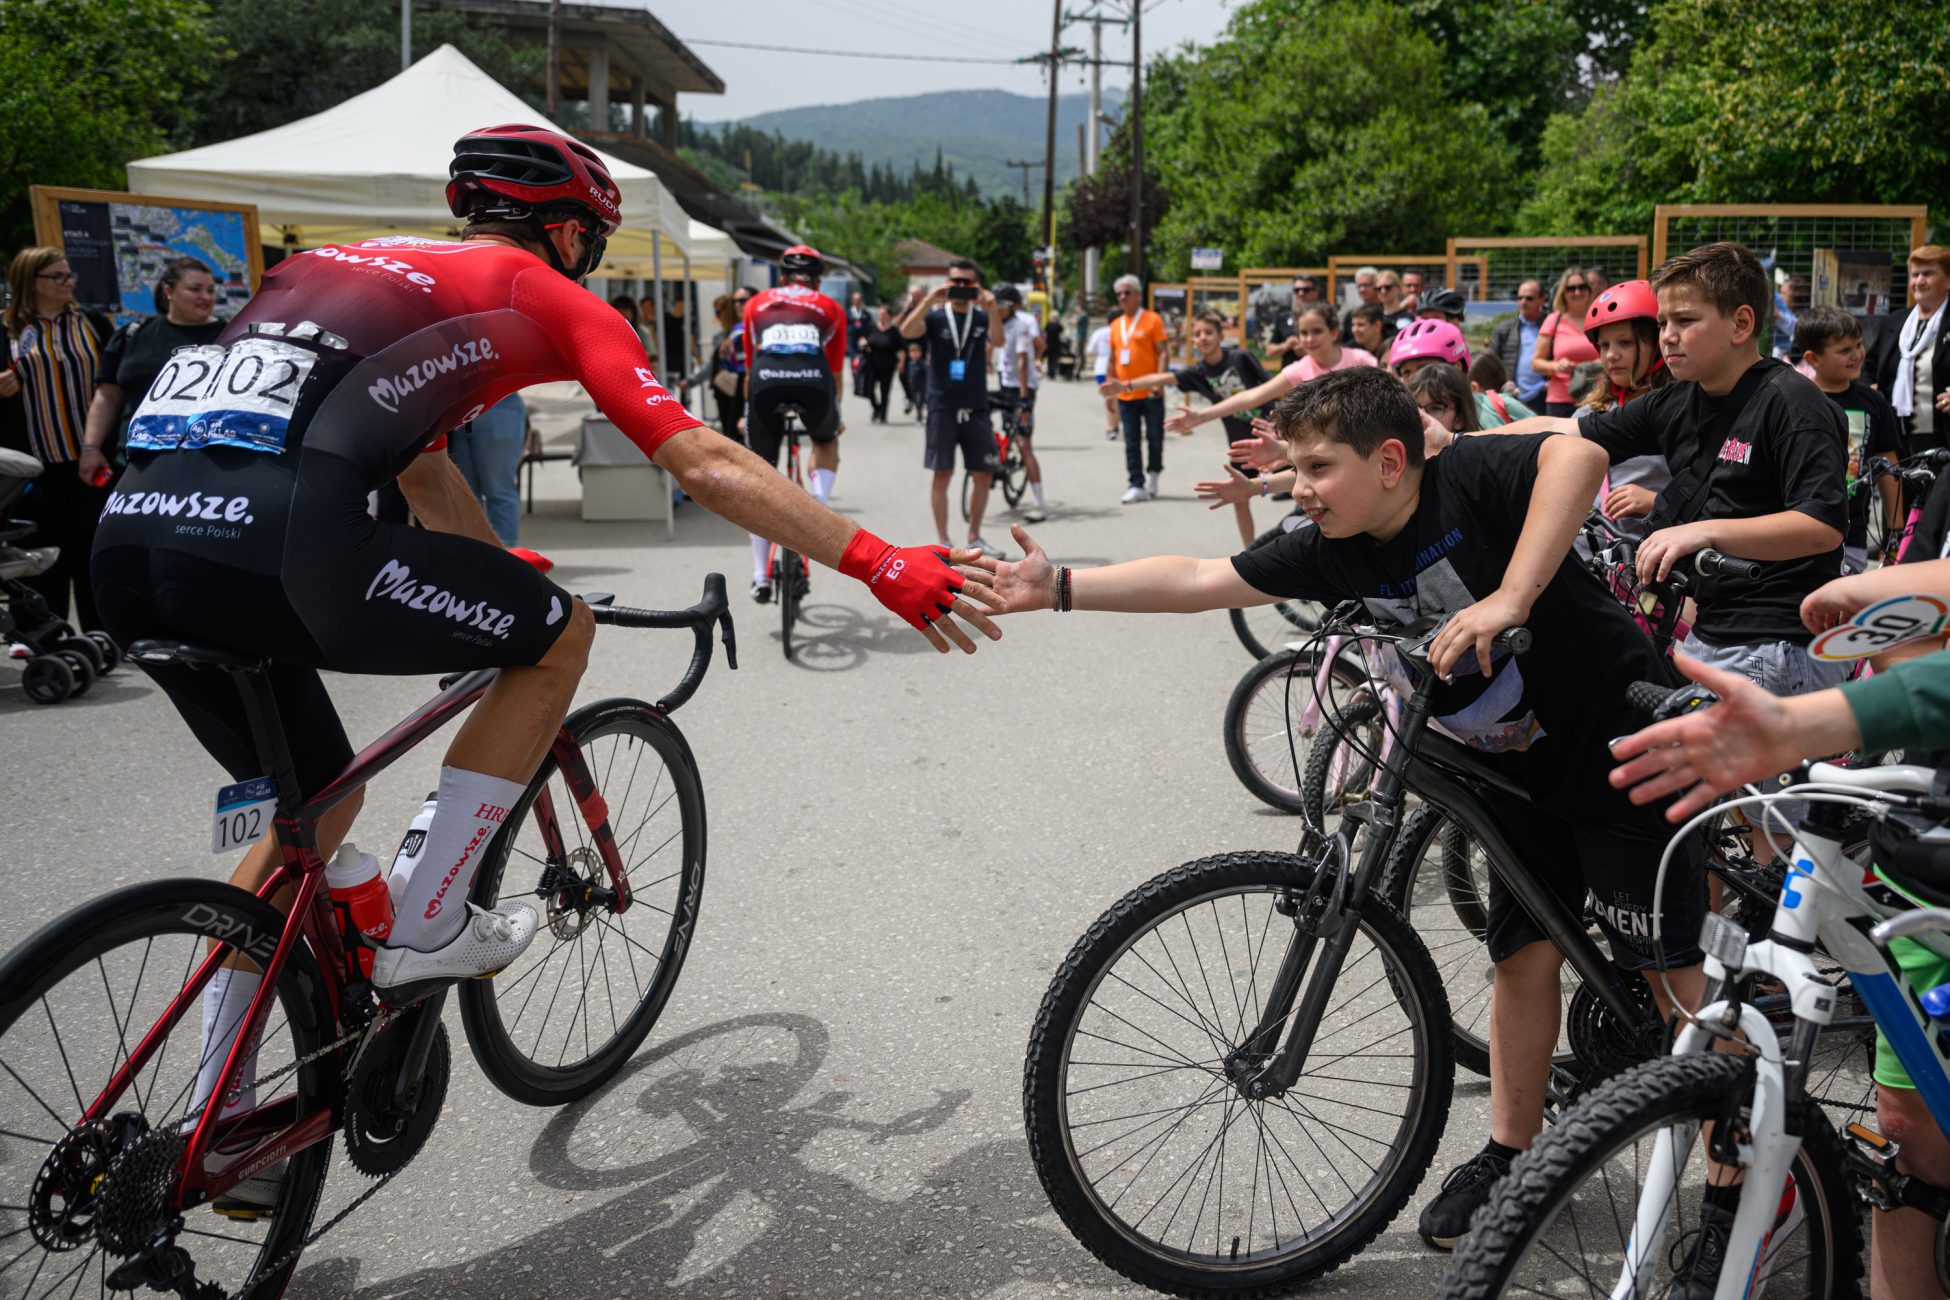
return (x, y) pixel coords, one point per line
(242, 518)
(795, 355)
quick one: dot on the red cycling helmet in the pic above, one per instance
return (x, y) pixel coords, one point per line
(802, 260)
(1430, 338)
(533, 167)
(1631, 300)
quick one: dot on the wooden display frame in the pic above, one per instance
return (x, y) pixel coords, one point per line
(46, 200)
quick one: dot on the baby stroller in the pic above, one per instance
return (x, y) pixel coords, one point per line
(57, 662)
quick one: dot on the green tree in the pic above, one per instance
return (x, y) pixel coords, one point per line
(1731, 101)
(1284, 141)
(1001, 239)
(85, 86)
(299, 57)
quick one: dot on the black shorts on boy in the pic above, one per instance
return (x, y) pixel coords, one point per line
(1545, 718)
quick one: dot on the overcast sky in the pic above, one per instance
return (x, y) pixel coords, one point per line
(758, 82)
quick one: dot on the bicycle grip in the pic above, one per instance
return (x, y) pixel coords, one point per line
(1710, 563)
(1647, 697)
(1514, 639)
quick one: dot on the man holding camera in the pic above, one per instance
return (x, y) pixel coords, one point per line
(956, 337)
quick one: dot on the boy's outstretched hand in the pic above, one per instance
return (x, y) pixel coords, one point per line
(1235, 487)
(1006, 587)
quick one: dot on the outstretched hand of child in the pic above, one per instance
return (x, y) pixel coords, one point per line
(1235, 487)
(1012, 587)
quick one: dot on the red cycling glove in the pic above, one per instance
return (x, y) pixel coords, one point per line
(541, 562)
(916, 582)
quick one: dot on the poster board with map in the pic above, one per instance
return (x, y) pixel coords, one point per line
(117, 243)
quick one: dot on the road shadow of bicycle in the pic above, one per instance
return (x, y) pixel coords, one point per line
(704, 1171)
(838, 638)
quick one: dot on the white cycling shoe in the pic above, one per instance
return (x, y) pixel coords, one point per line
(484, 947)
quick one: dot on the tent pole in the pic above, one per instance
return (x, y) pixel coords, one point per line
(690, 319)
(657, 296)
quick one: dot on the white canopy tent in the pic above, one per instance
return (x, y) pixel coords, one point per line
(377, 164)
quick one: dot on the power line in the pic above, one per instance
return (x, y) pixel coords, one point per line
(945, 28)
(846, 54)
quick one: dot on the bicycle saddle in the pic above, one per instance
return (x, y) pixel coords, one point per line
(153, 651)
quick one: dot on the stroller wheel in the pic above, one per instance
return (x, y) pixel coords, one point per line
(48, 679)
(111, 653)
(83, 670)
(87, 649)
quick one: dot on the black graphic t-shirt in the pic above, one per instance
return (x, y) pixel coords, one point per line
(136, 354)
(1545, 717)
(1774, 443)
(1233, 373)
(1873, 430)
(965, 339)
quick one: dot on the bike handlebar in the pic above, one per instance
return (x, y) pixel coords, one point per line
(712, 609)
(1663, 701)
(1710, 563)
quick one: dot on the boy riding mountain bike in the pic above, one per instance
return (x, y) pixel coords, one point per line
(1481, 534)
(242, 521)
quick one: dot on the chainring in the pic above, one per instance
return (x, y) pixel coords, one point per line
(380, 1137)
(132, 1200)
(1602, 1045)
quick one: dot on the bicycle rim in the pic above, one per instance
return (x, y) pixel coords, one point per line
(570, 1010)
(1180, 1177)
(1561, 1223)
(79, 995)
(790, 574)
(1257, 718)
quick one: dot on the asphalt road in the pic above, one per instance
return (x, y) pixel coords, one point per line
(903, 847)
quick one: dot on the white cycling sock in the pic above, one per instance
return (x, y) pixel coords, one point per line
(761, 559)
(1037, 488)
(225, 1000)
(472, 807)
(822, 484)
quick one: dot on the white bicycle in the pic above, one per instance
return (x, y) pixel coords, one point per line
(1710, 1172)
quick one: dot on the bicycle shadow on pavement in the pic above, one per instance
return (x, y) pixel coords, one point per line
(703, 1170)
(838, 638)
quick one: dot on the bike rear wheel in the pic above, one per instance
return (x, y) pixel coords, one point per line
(1157, 1160)
(1265, 629)
(1558, 1225)
(791, 578)
(567, 1015)
(1266, 759)
(74, 999)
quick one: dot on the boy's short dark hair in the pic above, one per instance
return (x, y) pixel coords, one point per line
(1818, 327)
(1368, 311)
(963, 264)
(1727, 275)
(1362, 407)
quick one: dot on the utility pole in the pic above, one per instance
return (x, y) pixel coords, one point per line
(405, 34)
(1137, 138)
(1092, 131)
(1049, 151)
(554, 56)
(1024, 168)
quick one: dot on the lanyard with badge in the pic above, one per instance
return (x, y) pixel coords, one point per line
(1124, 347)
(957, 367)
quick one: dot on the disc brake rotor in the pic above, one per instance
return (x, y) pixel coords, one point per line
(579, 878)
(61, 1208)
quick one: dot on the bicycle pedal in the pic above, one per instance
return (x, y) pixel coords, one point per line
(242, 1214)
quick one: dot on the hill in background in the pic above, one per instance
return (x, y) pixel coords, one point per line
(978, 131)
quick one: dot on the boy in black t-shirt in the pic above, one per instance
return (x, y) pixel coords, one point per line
(1829, 342)
(1481, 534)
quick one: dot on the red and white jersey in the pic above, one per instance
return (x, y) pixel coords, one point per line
(423, 335)
(795, 319)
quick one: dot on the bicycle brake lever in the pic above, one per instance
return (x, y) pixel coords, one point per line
(730, 640)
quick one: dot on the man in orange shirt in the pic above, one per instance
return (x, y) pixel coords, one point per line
(1138, 345)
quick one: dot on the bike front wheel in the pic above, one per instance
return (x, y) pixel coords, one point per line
(1559, 1224)
(792, 578)
(561, 1020)
(1149, 1147)
(76, 999)
(1267, 738)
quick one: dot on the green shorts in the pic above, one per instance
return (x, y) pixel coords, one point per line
(1924, 970)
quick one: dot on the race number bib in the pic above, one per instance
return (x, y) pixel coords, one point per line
(209, 396)
(789, 338)
(1882, 625)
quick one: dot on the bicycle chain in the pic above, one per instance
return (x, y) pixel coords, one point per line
(373, 1026)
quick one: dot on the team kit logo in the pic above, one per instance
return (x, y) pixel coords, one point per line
(395, 582)
(390, 390)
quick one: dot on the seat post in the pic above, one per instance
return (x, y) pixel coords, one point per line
(267, 735)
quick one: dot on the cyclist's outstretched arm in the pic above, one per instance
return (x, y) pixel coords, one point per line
(1270, 391)
(433, 486)
(1836, 601)
(1564, 424)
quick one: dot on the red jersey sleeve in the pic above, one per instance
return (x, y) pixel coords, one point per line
(603, 353)
(835, 334)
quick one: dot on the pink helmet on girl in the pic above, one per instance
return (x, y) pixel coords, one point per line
(1436, 339)
(1630, 300)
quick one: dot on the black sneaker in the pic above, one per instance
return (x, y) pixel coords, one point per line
(1699, 1254)
(762, 592)
(1445, 1220)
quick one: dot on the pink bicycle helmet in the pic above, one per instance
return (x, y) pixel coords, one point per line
(1436, 339)
(1630, 300)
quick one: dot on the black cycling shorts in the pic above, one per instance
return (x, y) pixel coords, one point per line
(276, 556)
(1608, 868)
(782, 381)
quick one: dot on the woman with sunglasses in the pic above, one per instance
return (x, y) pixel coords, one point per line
(1561, 350)
(56, 351)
